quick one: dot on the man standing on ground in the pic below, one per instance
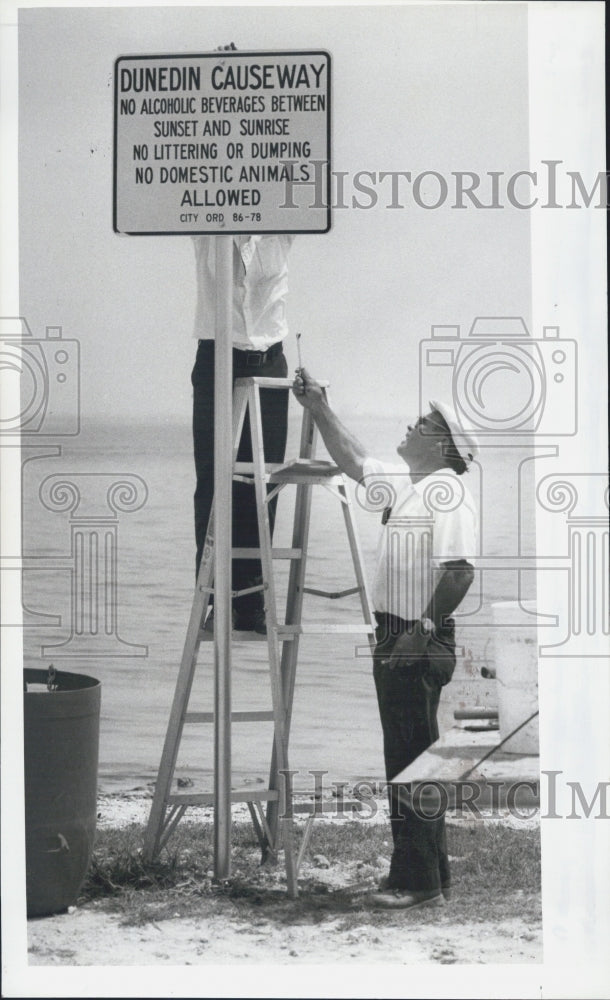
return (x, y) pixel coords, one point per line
(424, 570)
(260, 287)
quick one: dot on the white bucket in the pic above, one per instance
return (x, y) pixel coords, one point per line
(516, 658)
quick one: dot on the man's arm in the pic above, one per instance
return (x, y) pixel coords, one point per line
(449, 592)
(344, 449)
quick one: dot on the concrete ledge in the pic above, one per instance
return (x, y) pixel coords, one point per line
(503, 780)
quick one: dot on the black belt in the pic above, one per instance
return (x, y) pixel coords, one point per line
(249, 359)
(402, 625)
(383, 618)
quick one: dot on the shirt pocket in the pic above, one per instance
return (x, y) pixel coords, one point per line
(270, 257)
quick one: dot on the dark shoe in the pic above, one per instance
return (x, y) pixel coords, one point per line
(405, 899)
(384, 885)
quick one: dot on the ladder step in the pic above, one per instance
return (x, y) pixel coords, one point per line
(334, 805)
(284, 631)
(275, 553)
(247, 468)
(207, 798)
(333, 595)
(272, 383)
(300, 470)
(292, 477)
(236, 636)
(287, 632)
(263, 716)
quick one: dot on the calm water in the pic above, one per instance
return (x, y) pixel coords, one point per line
(335, 723)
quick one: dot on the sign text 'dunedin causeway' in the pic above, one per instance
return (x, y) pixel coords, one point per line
(206, 143)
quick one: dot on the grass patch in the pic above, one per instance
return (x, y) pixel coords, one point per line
(495, 868)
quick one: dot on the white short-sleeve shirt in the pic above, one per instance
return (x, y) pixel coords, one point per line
(260, 289)
(426, 525)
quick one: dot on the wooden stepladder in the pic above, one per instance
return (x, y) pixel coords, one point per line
(274, 825)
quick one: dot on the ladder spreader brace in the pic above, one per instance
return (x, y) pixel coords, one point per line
(274, 826)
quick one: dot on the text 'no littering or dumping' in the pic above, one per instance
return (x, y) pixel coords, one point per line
(222, 143)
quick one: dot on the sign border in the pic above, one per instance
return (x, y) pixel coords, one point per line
(228, 55)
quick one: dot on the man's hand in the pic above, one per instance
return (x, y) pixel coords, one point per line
(408, 648)
(343, 447)
(306, 389)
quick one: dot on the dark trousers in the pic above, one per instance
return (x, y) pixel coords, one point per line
(274, 410)
(408, 698)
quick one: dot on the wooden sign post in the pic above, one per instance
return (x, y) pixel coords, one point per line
(223, 523)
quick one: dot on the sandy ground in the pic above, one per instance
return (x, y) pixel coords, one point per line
(92, 934)
(91, 937)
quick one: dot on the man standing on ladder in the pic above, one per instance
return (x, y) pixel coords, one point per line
(260, 287)
(417, 586)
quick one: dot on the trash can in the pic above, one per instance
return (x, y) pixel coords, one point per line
(61, 741)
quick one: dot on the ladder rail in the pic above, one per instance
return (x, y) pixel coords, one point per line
(182, 692)
(297, 590)
(296, 582)
(358, 563)
(294, 607)
(278, 694)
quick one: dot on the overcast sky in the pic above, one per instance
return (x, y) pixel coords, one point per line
(414, 88)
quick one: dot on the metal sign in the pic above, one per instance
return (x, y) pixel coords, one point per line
(225, 142)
